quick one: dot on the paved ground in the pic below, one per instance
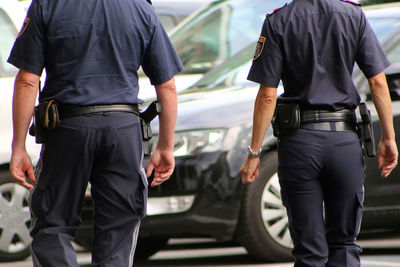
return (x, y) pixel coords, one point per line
(205, 253)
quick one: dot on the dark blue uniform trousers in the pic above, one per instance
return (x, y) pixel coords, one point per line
(105, 150)
(321, 174)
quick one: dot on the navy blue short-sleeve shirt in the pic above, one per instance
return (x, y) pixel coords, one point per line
(312, 45)
(92, 50)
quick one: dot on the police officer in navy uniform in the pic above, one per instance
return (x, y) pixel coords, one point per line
(91, 51)
(312, 45)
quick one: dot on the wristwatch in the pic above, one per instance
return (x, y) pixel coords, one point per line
(252, 154)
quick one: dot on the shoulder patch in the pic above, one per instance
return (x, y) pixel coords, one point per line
(24, 27)
(276, 10)
(351, 2)
(259, 47)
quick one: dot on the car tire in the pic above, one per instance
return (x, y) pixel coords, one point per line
(147, 247)
(263, 223)
(15, 219)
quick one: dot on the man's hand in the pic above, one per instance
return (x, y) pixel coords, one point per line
(162, 159)
(249, 170)
(20, 165)
(163, 164)
(387, 157)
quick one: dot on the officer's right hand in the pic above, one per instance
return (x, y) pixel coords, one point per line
(249, 170)
(387, 156)
(21, 164)
(163, 164)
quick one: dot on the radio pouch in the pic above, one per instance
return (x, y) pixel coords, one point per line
(46, 114)
(46, 117)
(286, 119)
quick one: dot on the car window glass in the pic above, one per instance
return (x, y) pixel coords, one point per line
(220, 32)
(238, 77)
(384, 27)
(8, 33)
(232, 72)
(198, 47)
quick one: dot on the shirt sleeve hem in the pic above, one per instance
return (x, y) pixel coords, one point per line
(27, 67)
(265, 81)
(166, 77)
(377, 70)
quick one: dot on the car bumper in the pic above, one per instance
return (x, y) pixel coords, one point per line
(202, 198)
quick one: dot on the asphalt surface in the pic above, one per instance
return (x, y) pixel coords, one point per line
(207, 253)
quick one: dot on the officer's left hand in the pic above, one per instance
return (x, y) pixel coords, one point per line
(163, 164)
(249, 170)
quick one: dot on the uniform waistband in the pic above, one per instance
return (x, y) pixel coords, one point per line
(68, 111)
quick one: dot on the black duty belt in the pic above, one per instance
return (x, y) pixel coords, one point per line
(342, 120)
(68, 111)
(330, 126)
(346, 115)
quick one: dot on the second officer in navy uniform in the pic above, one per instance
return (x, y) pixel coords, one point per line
(312, 45)
(88, 120)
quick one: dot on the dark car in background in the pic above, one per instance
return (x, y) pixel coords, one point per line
(205, 197)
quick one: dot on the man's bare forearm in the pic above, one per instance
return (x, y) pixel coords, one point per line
(167, 96)
(264, 108)
(382, 102)
(25, 91)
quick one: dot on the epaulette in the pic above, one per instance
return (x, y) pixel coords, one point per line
(276, 10)
(351, 2)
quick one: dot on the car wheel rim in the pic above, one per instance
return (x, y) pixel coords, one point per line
(273, 213)
(14, 218)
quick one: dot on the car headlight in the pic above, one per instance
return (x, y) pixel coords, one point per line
(189, 143)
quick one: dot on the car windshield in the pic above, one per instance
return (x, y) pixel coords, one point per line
(219, 32)
(234, 71)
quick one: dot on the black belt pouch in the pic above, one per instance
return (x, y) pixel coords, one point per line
(286, 119)
(46, 117)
